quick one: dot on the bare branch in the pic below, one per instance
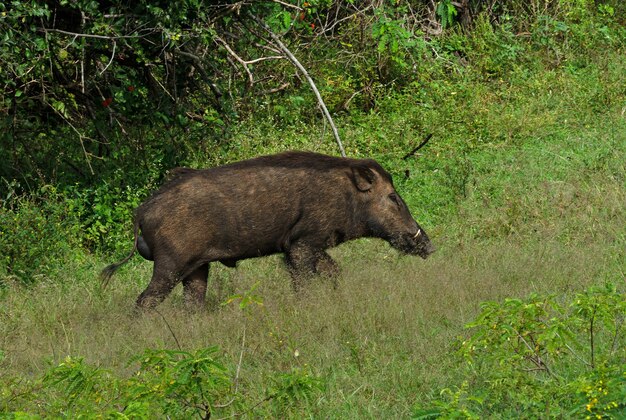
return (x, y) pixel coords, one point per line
(163, 87)
(293, 6)
(110, 61)
(326, 29)
(80, 135)
(300, 67)
(240, 60)
(272, 57)
(276, 89)
(170, 329)
(60, 31)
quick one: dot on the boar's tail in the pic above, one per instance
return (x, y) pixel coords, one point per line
(108, 271)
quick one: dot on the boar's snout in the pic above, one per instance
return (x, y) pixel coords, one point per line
(416, 243)
(423, 246)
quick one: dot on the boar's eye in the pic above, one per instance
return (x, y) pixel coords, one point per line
(394, 197)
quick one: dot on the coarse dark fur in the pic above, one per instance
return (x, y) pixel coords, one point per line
(297, 203)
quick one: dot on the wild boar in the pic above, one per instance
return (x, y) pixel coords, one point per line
(297, 203)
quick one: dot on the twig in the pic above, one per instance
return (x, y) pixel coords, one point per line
(249, 410)
(236, 380)
(271, 57)
(534, 357)
(293, 6)
(326, 29)
(300, 67)
(243, 347)
(169, 328)
(344, 105)
(276, 89)
(80, 137)
(162, 87)
(110, 61)
(591, 338)
(199, 66)
(82, 54)
(240, 60)
(422, 144)
(576, 355)
(618, 326)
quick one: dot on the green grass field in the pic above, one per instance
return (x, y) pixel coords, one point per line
(522, 189)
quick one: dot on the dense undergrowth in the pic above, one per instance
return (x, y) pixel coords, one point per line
(520, 312)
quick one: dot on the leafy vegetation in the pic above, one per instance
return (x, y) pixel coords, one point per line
(536, 355)
(178, 384)
(521, 187)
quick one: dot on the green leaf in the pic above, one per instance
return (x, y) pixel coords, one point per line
(59, 107)
(286, 19)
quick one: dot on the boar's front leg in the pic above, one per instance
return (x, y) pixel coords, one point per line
(326, 266)
(194, 287)
(304, 260)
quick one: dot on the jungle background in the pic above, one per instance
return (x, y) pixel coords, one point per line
(521, 186)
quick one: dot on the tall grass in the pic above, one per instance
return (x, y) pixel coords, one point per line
(382, 341)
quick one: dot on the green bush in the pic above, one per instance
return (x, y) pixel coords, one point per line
(166, 383)
(105, 214)
(37, 232)
(40, 231)
(542, 357)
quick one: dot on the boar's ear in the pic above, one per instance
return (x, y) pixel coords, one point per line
(363, 177)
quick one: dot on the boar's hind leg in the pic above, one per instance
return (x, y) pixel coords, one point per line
(161, 284)
(194, 287)
(304, 260)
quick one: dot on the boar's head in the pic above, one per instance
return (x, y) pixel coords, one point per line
(385, 213)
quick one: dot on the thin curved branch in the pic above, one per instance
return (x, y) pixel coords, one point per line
(271, 57)
(300, 67)
(108, 64)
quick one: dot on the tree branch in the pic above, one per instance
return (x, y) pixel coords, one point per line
(300, 67)
(240, 60)
(105, 68)
(60, 31)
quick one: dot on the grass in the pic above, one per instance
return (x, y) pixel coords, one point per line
(522, 190)
(382, 341)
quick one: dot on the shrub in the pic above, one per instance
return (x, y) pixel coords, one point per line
(542, 357)
(167, 383)
(36, 232)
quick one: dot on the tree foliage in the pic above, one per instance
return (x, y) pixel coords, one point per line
(89, 85)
